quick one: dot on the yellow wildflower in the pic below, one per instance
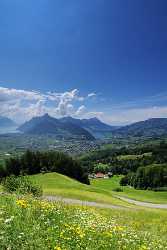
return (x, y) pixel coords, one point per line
(57, 248)
(22, 203)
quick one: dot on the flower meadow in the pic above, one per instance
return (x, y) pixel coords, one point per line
(28, 223)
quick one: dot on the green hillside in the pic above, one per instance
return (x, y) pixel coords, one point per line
(130, 192)
(100, 190)
(57, 184)
(27, 223)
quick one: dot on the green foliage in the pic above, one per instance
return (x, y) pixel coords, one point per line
(34, 224)
(153, 176)
(35, 162)
(101, 167)
(21, 185)
(118, 189)
(135, 163)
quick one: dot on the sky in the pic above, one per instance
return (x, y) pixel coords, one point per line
(104, 58)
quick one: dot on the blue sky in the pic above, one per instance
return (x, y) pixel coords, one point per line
(114, 48)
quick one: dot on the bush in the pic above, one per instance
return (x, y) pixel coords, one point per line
(118, 189)
(160, 189)
(21, 185)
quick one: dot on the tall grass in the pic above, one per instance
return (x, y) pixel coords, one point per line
(28, 223)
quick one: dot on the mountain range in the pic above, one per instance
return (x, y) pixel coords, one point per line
(6, 122)
(96, 127)
(7, 125)
(49, 125)
(90, 129)
(149, 128)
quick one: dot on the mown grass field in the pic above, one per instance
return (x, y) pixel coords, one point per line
(133, 157)
(141, 195)
(26, 223)
(100, 190)
(56, 184)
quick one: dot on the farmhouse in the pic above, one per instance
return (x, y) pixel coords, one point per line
(99, 175)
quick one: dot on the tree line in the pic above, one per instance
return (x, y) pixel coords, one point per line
(41, 162)
(149, 177)
(143, 171)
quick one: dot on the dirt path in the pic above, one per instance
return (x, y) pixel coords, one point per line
(141, 203)
(83, 203)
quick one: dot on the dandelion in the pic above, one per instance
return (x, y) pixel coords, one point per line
(57, 248)
(22, 203)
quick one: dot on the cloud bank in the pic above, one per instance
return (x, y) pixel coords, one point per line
(22, 105)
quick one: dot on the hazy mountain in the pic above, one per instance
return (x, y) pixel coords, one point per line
(49, 125)
(6, 122)
(7, 125)
(96, 127)
(150, 127)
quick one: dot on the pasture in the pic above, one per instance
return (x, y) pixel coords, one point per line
(27, 223)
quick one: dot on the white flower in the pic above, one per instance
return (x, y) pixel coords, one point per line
(9, 220)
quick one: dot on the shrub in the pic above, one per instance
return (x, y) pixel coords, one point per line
(118, 189)
(21, 185)
(160, 189)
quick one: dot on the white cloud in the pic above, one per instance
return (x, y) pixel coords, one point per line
(91, 94)
(128, 116)
(22, 105)
(80, 111)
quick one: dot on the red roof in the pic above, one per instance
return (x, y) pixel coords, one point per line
(100, 175)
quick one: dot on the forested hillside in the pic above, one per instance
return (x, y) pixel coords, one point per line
(144, 167)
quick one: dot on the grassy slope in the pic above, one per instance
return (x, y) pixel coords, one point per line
(56, 184)
(99, 226)
(100, 190)
(142, 195)
(133, 157)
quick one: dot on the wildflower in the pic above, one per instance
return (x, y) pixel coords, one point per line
(57, 248)
(22, 203)
(143, 247)
(9, 220)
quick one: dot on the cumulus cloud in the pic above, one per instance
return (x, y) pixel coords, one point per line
(127, 116)
(91, 94)
(80, 111)
(22, 105)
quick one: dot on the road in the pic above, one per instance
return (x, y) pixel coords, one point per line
(83, 203)
(141, 203)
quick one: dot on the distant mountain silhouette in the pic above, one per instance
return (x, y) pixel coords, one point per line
(97, 128)
(92, 128)
(49, 125)
(6, 122)
(147, 128)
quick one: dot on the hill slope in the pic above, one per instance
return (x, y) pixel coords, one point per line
(49, 125)
(7, 125)
(6, 122)
(96, 127)
(60, 185)
(149, 128)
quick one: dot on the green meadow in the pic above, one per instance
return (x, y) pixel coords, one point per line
(130, 192)
(27, 223)
(100, 190)
(60, 185)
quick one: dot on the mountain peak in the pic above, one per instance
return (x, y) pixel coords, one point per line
(46, 115)
(94, 119)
